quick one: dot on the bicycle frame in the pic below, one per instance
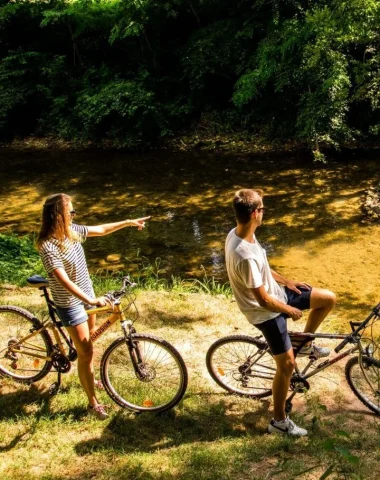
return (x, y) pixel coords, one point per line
(327, 363)
(354, 337)
(53, 324)
(117, 314)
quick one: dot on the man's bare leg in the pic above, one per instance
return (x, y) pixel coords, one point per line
(281, 382)
(322, 301)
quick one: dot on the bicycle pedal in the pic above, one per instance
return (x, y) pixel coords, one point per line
(53, 389)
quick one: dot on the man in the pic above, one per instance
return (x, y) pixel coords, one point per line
(266, 298)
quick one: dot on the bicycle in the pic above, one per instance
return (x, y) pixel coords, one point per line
(140, 372)
(244, 365)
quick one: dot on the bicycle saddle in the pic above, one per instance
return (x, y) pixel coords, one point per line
(37, 281)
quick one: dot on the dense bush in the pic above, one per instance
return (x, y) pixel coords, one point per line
(18, 259)
(132, 71)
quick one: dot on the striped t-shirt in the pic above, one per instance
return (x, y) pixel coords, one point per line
(68, 255)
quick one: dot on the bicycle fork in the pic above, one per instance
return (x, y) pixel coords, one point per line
(133, 348)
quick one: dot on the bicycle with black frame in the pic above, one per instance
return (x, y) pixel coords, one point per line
(138, 371)
(244, 365)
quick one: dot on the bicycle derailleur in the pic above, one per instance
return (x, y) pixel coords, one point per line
(243, 375)
(10, 354)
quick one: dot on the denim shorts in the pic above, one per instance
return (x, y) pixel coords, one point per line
(275, 330)
(72, 316)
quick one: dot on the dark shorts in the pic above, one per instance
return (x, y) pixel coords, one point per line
(72, 316)
(275, 330)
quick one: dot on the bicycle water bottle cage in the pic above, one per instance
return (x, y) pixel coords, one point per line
(36, 281)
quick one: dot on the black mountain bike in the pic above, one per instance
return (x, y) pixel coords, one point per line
(243, 364)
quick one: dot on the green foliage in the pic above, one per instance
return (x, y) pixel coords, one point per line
(121, 110)
(311, 60)
(18, 259)
(130, 72)
(342, 459)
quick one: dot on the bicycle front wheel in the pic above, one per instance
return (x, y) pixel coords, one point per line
(243, 365)
(363, 377)
(151, 377)
(24, 353)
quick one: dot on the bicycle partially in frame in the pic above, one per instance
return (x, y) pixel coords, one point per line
(139, 371)
(244, 365)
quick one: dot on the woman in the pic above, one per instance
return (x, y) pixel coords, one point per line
(60, 246)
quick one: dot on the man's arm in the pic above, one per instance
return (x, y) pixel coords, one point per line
(292, 285)
(273, 305)
(107, 228)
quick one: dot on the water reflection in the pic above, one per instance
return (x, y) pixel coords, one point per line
(197, 231)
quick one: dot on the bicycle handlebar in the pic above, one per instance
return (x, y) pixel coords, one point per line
(338, 348)
(115, 295)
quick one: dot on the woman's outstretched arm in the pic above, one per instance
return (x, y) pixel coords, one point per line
(107, 228)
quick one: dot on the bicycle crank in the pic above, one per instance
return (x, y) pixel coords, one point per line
(61, 363)
(299, 385)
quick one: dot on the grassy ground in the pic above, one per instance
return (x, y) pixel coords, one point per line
(210, 435)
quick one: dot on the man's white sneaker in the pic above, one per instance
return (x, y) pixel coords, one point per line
(313, 349)
(286, 427)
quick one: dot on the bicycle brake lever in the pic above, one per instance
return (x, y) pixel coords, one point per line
(110, 298)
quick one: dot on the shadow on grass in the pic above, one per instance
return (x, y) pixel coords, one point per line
(207, 422)
(155, 317)
(35, 402)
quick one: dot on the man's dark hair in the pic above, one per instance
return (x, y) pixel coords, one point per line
(245, 202)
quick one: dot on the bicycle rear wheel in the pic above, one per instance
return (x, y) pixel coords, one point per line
(363, 377)
(23, 360)
(243, 365)
(155, 382)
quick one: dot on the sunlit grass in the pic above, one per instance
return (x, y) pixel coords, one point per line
(209, 435)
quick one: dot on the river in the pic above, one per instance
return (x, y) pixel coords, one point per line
(312, 229)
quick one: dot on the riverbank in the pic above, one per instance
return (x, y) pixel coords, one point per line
(201, 139)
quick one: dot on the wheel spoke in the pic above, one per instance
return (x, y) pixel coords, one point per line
(364, 380)
(240, 365)
(18, 358)
(160, 380)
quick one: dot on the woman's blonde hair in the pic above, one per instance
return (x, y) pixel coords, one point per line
(56, 220)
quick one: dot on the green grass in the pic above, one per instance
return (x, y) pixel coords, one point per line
(209, 435)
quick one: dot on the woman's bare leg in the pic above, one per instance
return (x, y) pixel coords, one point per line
(80, 335)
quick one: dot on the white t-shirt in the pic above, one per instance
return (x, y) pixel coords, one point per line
(247, 268)
(69, 256)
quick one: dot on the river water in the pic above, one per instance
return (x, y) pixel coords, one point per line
(312, 229)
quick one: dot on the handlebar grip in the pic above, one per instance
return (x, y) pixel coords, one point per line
(343, 344)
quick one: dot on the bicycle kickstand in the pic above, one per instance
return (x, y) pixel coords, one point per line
(54, 387)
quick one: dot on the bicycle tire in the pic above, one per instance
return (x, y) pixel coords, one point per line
(366, 386)
(242, 365)
(15, 324)
(163, 378)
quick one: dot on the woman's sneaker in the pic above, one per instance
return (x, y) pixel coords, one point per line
(313, 349)
(286, 427)
(97, 411)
